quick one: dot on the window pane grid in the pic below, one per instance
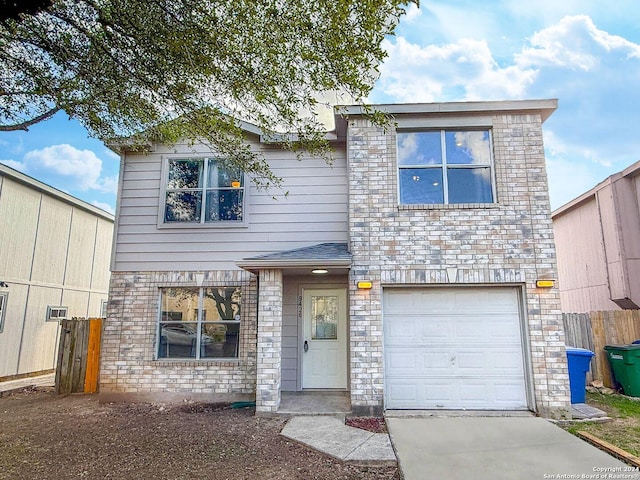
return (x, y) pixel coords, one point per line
(466, 158)
(203, 191)
(199, 323)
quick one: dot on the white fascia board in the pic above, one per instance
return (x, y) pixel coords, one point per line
(544, 107)
(292, 263)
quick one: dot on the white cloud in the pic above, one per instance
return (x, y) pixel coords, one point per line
(107, 185)
(83, 166)
(104, 206)
(69, 169)
(574, 43)
(465, 70)
(13, 164)
(412, 13)
(591, 71)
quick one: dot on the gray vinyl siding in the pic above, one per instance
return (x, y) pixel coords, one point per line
(291, 327)
(314, 211)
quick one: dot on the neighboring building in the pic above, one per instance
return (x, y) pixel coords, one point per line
(598, 243)
(426, 239)
(54, 263)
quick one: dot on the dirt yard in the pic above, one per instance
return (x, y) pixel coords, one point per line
(45, 436)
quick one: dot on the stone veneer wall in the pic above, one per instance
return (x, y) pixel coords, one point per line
(510, 242)
(129, 369)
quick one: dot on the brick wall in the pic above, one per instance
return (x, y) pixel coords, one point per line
(269, 341)
(510, 242)
(129, 369)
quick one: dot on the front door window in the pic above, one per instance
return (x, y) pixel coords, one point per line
(324, 317)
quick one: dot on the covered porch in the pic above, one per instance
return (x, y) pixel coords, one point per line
(303, 329)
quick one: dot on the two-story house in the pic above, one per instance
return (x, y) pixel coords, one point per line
(403, 273)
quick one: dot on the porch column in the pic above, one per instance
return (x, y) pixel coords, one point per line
(269, 341)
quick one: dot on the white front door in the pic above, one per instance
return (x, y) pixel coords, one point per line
(324, 342)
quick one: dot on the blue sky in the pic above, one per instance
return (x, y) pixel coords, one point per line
(585, 53)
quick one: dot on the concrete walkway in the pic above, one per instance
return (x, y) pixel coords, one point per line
(513, 448)
(11, 386)
(329, 434)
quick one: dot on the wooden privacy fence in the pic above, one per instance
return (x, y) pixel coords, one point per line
(79, 356)
(595, 330)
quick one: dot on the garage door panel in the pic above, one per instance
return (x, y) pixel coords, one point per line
(416, 329)
(467, 362)
(399, 361)
(508, 392)
(433, 329)
(437, 393)
(453, 348)
(507, 361)
(434, 364)
(403, 330)
(475, 392)
(405, 391)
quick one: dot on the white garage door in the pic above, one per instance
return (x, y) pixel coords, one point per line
(453, 348)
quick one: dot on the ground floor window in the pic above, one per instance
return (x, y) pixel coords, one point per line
(199, 323)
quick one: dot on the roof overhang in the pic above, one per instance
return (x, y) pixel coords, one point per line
(333, 257)
(15, 175)
(300, 266)
(544, 107)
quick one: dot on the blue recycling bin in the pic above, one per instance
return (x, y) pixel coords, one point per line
(579, 360)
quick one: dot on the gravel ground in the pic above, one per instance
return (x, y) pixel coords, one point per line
(45, 436)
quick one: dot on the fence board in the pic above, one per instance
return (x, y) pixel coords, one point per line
(65, 354)
(93, 356)
(599, 341)
(79, 366)
(78, 356)
(595, 330)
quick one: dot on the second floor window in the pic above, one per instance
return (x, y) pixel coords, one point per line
(203, 190)
(445, 167)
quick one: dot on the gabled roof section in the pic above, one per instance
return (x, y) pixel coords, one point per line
(323, 254)
(120, 145)
(31, 182)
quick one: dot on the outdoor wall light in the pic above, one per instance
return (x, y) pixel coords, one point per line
(545, 283)
(319, 271)
(365, 285)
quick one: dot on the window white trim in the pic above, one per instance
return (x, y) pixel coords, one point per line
(56, 313)
(164, 180)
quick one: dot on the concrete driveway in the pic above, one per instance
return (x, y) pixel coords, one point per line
(497, 448)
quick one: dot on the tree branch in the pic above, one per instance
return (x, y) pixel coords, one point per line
(26, 124)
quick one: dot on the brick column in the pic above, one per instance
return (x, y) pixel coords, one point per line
(269, 341)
